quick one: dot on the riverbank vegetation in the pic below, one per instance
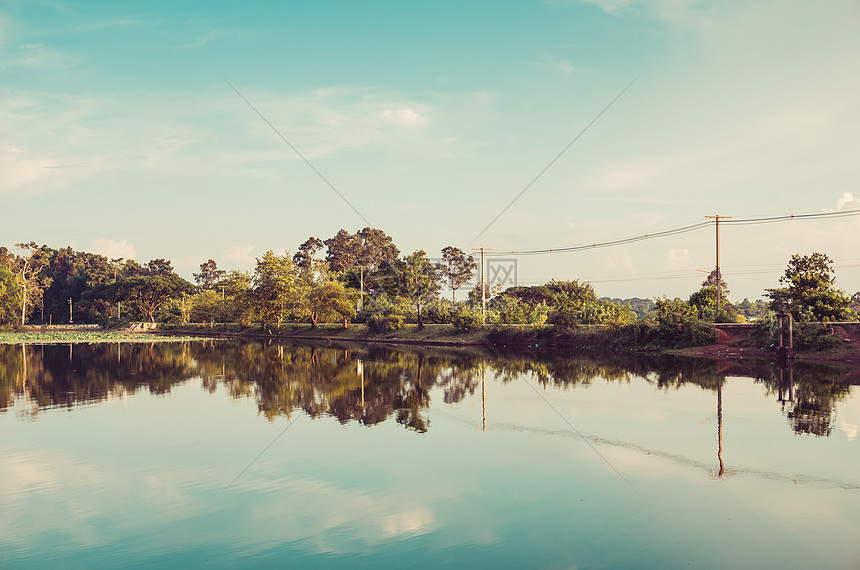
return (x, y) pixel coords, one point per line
(362, 278)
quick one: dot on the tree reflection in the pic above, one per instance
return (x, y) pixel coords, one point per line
(371, 384)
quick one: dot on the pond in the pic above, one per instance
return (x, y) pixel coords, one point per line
(225, 454)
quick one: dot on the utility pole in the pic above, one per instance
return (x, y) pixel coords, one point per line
(717, 219)
(483, 285)
(361, 269)
(222, 303)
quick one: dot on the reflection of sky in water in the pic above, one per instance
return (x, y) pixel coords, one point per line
(142, 480)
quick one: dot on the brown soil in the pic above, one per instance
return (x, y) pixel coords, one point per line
(734, 342)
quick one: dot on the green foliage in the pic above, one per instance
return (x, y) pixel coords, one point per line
(704, 302)
(815, 337)
(808, 286)
(209, 274)
(752, 310)
(148, 293)
(329, 302)
(205, 306)
(506, 310)
(275, 290)
(467, 320)
(10, 298)
(419, 281)
(457, 268)
(437, 311)
(642, 307)
(678, 326)
(574, 303)
(383, 315)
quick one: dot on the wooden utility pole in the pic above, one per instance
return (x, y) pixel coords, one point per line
(483, 285)
(717, 219)
(361, 269)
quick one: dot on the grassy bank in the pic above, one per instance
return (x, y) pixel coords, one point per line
(410, 334)
(65, 337)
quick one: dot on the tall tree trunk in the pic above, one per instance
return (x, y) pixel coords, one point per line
(420, 319)
(23, 302)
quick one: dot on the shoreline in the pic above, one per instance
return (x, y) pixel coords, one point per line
(732, 343)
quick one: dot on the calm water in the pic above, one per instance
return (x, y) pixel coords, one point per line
(244, 454)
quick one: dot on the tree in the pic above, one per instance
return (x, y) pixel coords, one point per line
(28, 268)
(809, 292)
(9, 297)
(148, 293)
(344, 250)
(209, 274)
(329, 301)
(704, 301)
(420, 281)
(305, 255)
(456, 268)
(235, 295)
(573, 303)
(159, 267)
(274, 288)
(370, 251)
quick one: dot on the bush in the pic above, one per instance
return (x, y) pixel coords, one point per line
(384, 316)
(807, 336)
(679, 327)
(467, 321)
(815, 337)
(382, 323)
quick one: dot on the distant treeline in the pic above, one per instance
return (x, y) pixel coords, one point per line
(362, 277)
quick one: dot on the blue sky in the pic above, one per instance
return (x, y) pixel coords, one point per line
(119, 134)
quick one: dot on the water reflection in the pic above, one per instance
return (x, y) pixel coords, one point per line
(369, 385)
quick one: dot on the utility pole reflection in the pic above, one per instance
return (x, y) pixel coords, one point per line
(484, 398)
(720, 428)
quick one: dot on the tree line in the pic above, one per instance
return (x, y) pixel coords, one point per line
(363, 277)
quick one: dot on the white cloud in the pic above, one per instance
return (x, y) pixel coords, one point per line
(19, 167)
(610, 6)
(404, 117)
(113, 249)
(847, 199)
(239, 253)
(677, 259)
(38, 56)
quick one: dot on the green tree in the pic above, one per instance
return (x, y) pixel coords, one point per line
(573, 303)
(420, 281)
(148, 293)
(307, 251)
(809, 291)
(9, 297)
(275, 289)
(456, 269)
(344, 250)
(209, 274)
(29, 276)
(704, 302)
(159, 266)
(235, 289)
(328, 302)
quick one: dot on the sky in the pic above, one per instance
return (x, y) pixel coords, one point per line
(192, 130)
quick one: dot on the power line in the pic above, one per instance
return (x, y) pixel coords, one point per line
(677, 231)
(597, 245)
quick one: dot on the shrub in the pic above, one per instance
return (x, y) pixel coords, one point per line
(467, 321)
(381, 323)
